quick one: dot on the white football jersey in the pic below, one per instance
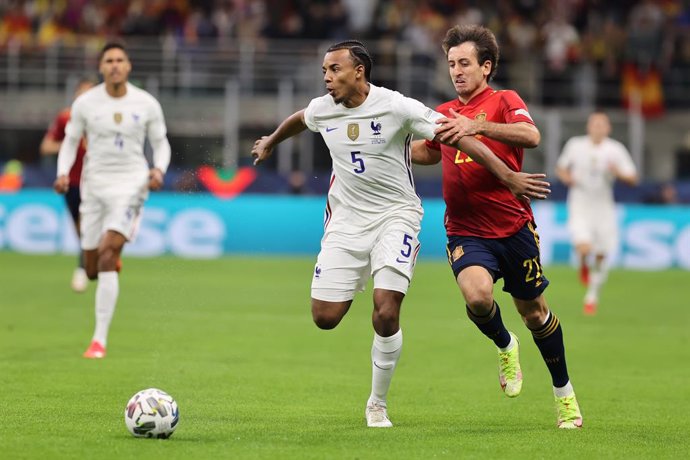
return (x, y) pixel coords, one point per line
(115, 131)
(590, 166)
(371, 153)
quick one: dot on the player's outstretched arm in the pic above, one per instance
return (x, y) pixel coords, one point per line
(291, 126)
(514, 134)
(522, 185)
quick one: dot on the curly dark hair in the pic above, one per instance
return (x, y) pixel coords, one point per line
(484, 43)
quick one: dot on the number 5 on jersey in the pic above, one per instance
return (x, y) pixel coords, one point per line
(406, 251)
(359, 162)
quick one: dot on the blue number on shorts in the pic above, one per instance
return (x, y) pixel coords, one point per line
(119, 141)
(407, 250)
(358, 161)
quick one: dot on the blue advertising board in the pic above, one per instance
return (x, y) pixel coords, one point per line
(203, 226)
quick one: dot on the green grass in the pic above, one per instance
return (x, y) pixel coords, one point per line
(232, 340)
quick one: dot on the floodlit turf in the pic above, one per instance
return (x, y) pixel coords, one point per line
(232, 340)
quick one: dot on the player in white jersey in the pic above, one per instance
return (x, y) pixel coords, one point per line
(373, 215)
(589, 165)
(116, 118)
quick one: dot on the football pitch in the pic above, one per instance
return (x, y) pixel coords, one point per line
(233, 341)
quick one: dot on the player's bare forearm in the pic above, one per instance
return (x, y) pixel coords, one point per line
(631, 180)
(521, 134)
(422, 155)
(49, 146)
(564, 176)
(522, 185)
(515, 134)
(291, 126)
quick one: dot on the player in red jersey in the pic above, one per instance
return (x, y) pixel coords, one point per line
(50, 145)
(491, 232)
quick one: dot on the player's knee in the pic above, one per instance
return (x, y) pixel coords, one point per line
(325, 321)
(534, 315)
(92, 273)
(324, 317)
(386, 315)
(107, 258)
(479, 301)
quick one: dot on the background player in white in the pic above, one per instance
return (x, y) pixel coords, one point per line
(50, 146)
(373, 214)
(116, 118)
(589, 165)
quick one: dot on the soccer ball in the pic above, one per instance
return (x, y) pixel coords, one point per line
(152, 413)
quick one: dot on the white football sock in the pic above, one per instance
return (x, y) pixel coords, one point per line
(385, 353)
(106, 298)
(596, 280)
(564, 391)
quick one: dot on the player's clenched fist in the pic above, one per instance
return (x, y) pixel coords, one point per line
(61, 184)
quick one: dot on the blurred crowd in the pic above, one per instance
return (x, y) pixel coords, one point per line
(648, 32)
(634, 43)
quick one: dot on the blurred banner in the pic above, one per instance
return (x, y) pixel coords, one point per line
(202, 226)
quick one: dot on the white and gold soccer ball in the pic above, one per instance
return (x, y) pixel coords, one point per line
(152, 413)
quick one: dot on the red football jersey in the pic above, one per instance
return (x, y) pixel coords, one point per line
(57, 133)
(477, 203)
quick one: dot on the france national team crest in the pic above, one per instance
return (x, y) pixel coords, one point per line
(376, 131)
(317, 271)
(117, 117)
(353, 131)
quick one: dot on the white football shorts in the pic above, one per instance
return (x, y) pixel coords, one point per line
(120, 213)
(600, 231)
(345, 263)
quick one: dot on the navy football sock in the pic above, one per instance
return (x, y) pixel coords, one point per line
(491, 325)
(549, 340)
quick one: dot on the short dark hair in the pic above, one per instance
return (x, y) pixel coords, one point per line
(484, 42)
(359, 54)
(111, 45)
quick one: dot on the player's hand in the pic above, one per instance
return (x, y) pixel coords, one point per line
(613, 171)
(452, 128)
(61, 184)
(526, 186)
(155, 179)
(262, 150)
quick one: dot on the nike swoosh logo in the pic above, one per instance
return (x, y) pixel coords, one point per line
(383, 368)
(401, 261)
(328, 130)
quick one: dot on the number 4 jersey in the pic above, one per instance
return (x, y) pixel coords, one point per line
(370, 146)
(115, 130)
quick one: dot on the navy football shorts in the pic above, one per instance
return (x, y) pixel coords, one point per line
(514, 258)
